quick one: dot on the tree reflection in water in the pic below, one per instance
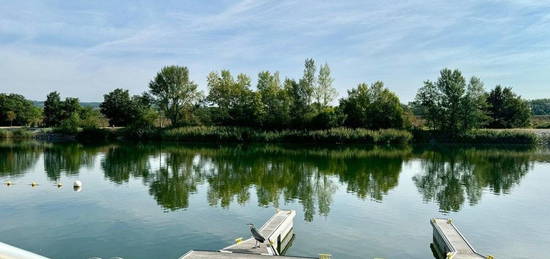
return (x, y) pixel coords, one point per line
(15, 159)
(309, 176)
(451, 176)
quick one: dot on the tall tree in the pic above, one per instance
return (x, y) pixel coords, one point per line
(475, 105)
(174, 93)
(235, 102)
(324, 92)
(507, 109)
(443, 102)
(10, 115)
(308, 81)
(53, 110)
(372, 107)
(16, 110)
(276, 101)
(70, 107)
(117, 107)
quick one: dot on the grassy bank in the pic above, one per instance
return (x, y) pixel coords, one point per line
(19, 133)
(482, 136)
(218, 134)
(240, 134)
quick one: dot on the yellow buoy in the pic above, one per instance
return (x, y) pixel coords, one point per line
(33, 184)
(8, 183)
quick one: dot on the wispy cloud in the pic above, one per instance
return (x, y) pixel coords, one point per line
(85, 48)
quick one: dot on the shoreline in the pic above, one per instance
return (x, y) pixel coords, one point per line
(220, 135)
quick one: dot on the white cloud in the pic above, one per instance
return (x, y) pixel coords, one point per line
(88, 50)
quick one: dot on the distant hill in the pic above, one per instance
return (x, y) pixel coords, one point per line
(84, 104)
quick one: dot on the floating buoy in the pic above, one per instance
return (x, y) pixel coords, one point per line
(8, 183)
(77, 188)
(77, 183)
(33, 184)
(59, 185)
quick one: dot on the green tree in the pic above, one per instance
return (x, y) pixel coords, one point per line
(449, 105)
(143, 115)
(507, 110)
(117, 107)
(70, 107)
(175, 94)
(52, 110)
(10, 115)
(25, 111)
(475, 105)
(324, 92)
(89, 117)
(308, 81)
(236, 103)
(372, 107)
(275, 100)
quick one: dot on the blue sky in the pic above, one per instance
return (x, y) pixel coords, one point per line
(87, 48)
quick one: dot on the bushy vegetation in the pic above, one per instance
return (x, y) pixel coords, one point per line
(540, 106)
(482, 136)
(16, 134)
(15, 110)
(221, 134)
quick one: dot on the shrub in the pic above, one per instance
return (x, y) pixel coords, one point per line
(477, 137)
(69, 125)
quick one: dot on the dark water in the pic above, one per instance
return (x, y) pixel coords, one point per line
(159, 201)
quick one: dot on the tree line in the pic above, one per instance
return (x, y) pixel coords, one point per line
(274, 103)
(451, 103)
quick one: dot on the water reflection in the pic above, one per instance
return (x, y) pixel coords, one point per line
(15, 159)
(273, 174)
(452, 176)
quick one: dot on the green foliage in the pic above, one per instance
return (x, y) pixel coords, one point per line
(482, 136)
(235, 102)
(324, 92)
(16, 134)
(53, 109)
(308, 82)
(117, 107)
(507, 110)
(277, 102)
(449, 105)
(474, 105)
(69, 125)
(89, 117)
(540, 106)
(175, 94)
(327, 117)
(373, 107)
(18, 111)
(68, 112)
(329, 136)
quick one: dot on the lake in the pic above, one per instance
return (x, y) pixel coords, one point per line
(161, 200)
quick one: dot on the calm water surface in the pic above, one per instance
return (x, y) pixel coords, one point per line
(159, 201)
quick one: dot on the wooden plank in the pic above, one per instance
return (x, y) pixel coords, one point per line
(448, 239)
(279, 224)
(224, 255)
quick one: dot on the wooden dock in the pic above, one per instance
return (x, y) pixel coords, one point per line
(450, 243)
(278, 231)
(225, 255)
